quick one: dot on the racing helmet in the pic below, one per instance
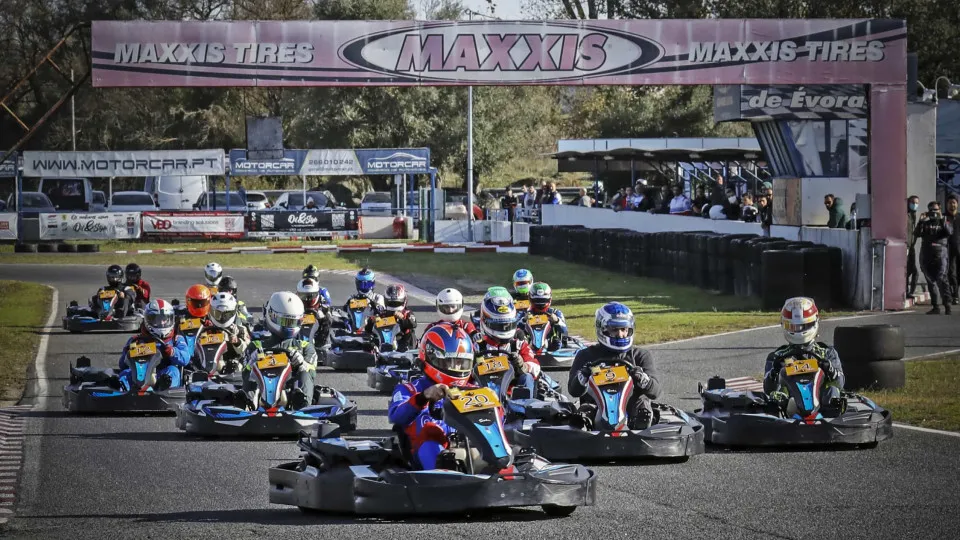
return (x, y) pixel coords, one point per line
(366, 280)
(212, 273)
(498, 291)
(132, 272)
(446, 354)
(198, 300)
(522, 279)
(614, 316)
(312, 272)
(114, 275)
(284, 314)
(223, 310)
(309, 292)
(395, 299)
(540, 297)
(450, 305)
(228, 284)
(325, 299)
(159, 319)
(498, 318)
(800, 320)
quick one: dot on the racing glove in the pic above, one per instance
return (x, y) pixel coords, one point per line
(532, 368)
(436, 392)
(828, 369)
(641, 379)
(167, 350)
(296, 357)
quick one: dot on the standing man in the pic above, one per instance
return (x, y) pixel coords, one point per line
(509, 203)
(838, 216)
(954, 249)
(913, 202)
(679, 203)
(934, 232)
(584, 199)
(242, 192)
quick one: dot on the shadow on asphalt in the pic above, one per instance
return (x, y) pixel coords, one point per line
(714, 449)
(119, 414)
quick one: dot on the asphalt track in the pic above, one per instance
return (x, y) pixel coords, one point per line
(123, 477)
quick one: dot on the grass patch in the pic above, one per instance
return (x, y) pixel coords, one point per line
(23, 309)
(929, 398)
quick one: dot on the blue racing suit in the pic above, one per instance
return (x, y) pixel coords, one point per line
(170, 366)
(421, 420)
(558, 330)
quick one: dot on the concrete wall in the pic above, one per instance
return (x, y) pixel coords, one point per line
(376, 227)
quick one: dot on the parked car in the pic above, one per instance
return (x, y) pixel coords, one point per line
(257, 200)
(218, 201)
(99, 201)
(376, 203)
(68, 194)
(176, 192)
(132, 201)
(293, 200)
(33, 202)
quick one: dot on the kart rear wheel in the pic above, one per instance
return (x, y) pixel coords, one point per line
(556, 510)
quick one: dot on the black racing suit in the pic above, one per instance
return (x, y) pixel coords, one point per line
(639, 407)
(122, 308)
(303, 359)
(825, 355)
(934, 234)
(407, 322)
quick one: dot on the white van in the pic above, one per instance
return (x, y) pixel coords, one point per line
(69, 194)
(175, 192)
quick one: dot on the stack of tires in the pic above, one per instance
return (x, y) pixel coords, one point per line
(871, 356)
(48, 247)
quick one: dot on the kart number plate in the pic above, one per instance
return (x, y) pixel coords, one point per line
(537, 320)
(268, 361)
(213, 290)
(476, 400)
(802, 367)
(494, 364)
(386, 321)
(190, 324)
(521, 305)
(309, 319)
(139, 350)
(211, 339)
(107, 294)
(611, 375)
(359, 303)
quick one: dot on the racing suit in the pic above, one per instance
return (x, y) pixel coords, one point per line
(408, 325)
(176, 354)
(826, 357)
(143, 292)
(376, 302)
(519, 352)
(421, 421)
(322, 314)
(558, 329)
(639, 407)
(124, 305)
(238, 340)
(303, 360)
(466, 326)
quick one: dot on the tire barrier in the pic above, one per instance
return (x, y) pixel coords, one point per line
(769, 269)
(25, 248)
(871, 356)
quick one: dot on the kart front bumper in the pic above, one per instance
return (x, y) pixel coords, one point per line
(106, 399)
(564, 442)
(755, 429)
(237, 422)
(381, 379)
(83, 323)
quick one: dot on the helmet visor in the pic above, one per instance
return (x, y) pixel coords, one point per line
(522, 286)
(284, 321)
(449, 309)
(393, 305)
(132, 275)
(223, 316)
(159, 319)
(114, 280)
(798, 328)
(501, 325)
(540, 303)
(194, 304)
(364, 285)
(461, 362)
(309, 299)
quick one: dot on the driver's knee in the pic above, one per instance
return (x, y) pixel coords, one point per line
(174, 374)
(427, 454)
(641, 414)
(829, 393)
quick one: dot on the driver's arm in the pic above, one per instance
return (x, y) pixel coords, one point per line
(576, 386)
(309, 353)
(561, 324)
(123, 355)
(643, 359)
(834, 360)
(770, 373)
(405, 404)
(181, 351)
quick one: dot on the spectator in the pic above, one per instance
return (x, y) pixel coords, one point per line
(732, 209)
(838, 216)
(584, 199)
(766, 211)
(954, 247)
(509, 202)
(748, 212)
(550, 195)
(913, 203)
(619, 200)
(311, 204)
(663, 206)
(541, 192)
(530, 198)
(242, 192)
(477, 212)
(768, 191)
(700, 200)
(680, 203)
(934, 232)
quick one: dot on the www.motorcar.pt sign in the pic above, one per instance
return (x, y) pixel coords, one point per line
(398, 53)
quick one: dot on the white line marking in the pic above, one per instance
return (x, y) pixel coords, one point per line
(934, 356)
(927, 430)
(40, 368)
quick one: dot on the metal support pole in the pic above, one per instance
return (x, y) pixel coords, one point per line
(304, 178)
(73, 116)
(470, 163)
(226, 178)
(433, 206)
(19, 199)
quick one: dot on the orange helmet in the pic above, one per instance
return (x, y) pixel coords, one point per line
(198, 300)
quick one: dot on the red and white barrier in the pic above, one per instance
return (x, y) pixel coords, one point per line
(369, 248)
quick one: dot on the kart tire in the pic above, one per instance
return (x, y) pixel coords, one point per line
(67, 248)
(46, 248)
(74, 303)
(88, 248)
(887, 375)
(25, 248)
(868, 343)
(556, 510)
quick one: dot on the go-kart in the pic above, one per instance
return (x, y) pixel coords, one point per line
(735, 418)
(351, 348)
(559, 430)
(210, 346)
(223, 409)
(478, 471)
(101, 389)
(312, 330)
(536, 329)
(391, 367)
(107, 313)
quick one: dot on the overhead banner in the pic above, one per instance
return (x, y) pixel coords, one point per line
(123, 163)
(214, 224)
(8, 226)
(559, 52)
(106, 226)
(304, 221)
(334, 162)
(811, 102)
(8, 167)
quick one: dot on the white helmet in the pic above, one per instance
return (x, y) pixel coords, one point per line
(223, 310)
(450, 305)
(308, 290)
(212, 273)
(283, 314)
(159, 318)
(800, 320)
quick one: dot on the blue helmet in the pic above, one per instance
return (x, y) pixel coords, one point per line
(498, 317)
(522, 279)
(366, 280)
(612, 316)
(325, 299)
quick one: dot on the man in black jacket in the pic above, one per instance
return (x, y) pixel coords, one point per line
(954, 248)
(934, 232)
(615, 328)
(913, 202)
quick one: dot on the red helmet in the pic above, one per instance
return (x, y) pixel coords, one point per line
(395, 298)
(198, 300)
(446, 353)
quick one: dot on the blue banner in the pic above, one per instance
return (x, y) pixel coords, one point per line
(394, 161)
(8, 168)
(370, 161)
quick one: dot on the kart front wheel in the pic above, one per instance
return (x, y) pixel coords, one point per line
(556, 510)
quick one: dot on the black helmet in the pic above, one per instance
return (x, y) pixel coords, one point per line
(133, 272)
(228, 284)
(115, 274)
(312, 272)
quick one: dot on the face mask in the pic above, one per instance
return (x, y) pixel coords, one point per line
(913, 207)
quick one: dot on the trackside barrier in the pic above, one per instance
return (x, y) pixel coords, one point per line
(8, 226)
(193, 224)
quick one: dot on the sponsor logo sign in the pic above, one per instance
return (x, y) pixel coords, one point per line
(303, 221)
(820, 101)
(104, 226)
(123, 163)
(334, 162)
(8, 167)
(193, 224)
(8, 226)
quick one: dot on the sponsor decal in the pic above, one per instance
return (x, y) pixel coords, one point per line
(397, 161)
(804, 100)
(282, 166)
(91, 226)
(786, 51)
(8, 167)
(303, 218)
(213, 53)
(123, 163)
